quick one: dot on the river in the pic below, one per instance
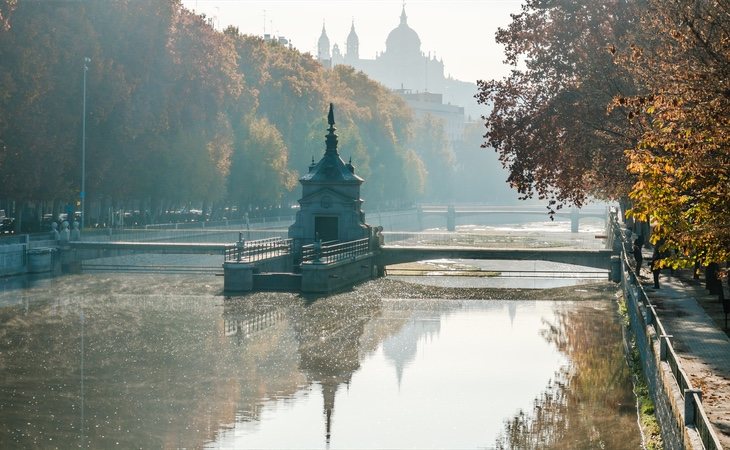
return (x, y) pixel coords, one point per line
(100, 360)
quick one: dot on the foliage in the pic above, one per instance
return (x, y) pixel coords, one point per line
(179, 113)
(430, 144)
(620, 100)
(548, 119)
(384, 125)
(682, 161)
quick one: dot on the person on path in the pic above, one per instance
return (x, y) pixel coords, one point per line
(655, 269)
(638, 257)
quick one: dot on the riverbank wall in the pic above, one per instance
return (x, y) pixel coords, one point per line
(19, 255)
(678, 407)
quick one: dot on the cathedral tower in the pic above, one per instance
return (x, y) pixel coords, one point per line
(323, 46)
(353, 46)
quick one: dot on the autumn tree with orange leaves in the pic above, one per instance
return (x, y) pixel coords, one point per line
(622, 100)
(682, 160)
(548, 121)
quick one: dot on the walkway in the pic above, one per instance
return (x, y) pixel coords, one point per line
(698, 339)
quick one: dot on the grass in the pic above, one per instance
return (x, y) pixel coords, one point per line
(647, 417)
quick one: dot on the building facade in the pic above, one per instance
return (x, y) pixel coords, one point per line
(406, 69)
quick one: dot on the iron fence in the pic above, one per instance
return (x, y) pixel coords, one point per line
(331, 252)
(698, 418)
(251, 251)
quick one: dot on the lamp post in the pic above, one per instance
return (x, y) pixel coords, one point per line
(87, 60)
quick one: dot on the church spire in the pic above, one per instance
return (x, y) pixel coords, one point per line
(403, 17)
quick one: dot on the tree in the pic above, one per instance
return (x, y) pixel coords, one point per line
(384, 124)
(549, 121)
(177, 112)
(260, 175)
(429, 144)
(682, 160)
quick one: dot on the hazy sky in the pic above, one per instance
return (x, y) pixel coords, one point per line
(461, 32)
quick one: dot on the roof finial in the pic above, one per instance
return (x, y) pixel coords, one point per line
(331, 116)
(403, 17)
(331, 136)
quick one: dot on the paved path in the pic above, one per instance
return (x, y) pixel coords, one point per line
(699, 340)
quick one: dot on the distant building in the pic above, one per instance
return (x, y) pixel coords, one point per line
(407, 70)
(281, 40)
(423, 103)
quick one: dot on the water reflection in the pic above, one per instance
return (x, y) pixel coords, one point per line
(168, 363)
(581, 406)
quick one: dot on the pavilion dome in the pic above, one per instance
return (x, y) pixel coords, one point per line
(403, 39)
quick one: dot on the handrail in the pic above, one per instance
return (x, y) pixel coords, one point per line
(690, 395)
(252, 251)
(331, 252)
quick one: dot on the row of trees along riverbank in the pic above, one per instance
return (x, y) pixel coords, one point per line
(622, 100)
(181, 116)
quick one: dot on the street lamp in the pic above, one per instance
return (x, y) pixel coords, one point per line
(87, 60)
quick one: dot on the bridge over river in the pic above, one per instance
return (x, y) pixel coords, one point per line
(452, 212)
(595, 258)
(273, 263)
(336, 264)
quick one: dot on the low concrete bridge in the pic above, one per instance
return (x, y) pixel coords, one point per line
(598, 258)
(270, 263)
(174, 248)
(451, 212)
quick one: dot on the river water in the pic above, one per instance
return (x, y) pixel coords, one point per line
(100, 360)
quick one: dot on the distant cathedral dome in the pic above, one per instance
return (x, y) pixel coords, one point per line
(403, 39)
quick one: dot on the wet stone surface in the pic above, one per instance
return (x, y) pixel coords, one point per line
(166, 361)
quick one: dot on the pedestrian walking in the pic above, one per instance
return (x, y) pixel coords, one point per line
(638, 257)
(655, 269)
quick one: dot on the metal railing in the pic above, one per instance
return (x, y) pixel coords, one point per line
(252, 251)
(238, 223)
(331, 252)
(694, 412)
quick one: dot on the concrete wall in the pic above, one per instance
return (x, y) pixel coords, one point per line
(237, 277)
(245, 277)
(284, 263)
(12, 259)
(325, 278)
(25, 256)
(668, 401)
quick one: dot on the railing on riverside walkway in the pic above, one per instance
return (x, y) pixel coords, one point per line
(331, 252)
(208, 234)
(694, 413)
(252, 251)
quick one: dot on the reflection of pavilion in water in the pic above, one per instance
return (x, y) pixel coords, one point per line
(330, 350)
(325, 341)
(322, 338)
